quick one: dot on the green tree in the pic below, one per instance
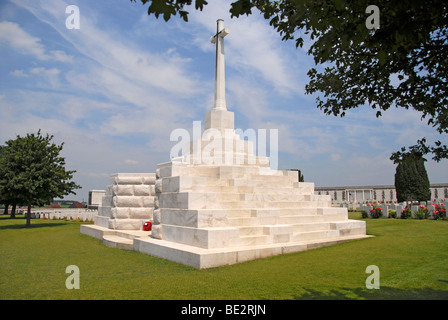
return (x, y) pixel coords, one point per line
(403, 63)
(411, 178)
(4, 197)
(33, 173)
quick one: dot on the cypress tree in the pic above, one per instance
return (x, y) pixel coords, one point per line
(424, 191)
(401, 182)
(411, 178)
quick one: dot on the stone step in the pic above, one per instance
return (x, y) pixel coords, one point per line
(252, 231)
(240, 189)
(254, 197)
(237, 171)
(101, 221)
(267, 184)
(294, 220)
(321, 232)
(202, 171)
(253, 205)
(221, 171)
(115, 241)
(315, 235)
(263, 180)
(279, 212)
(215, 217)
(210, 200)
(340, 216)
(282, 183)
(249, 192)
(272, 220)
(96, 231)
(239, 213)
(291, 204)
(253, 240)
(131, 234)
(175, 184)
(306, 227)
(297, 211)
(265, 197)
(243, 222)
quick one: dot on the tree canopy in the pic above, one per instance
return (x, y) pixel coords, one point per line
(32, 172)
(403, 63)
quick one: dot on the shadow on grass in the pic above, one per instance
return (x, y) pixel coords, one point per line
(384, 293)
(20, 223)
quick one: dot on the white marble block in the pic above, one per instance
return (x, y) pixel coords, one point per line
(128, 202)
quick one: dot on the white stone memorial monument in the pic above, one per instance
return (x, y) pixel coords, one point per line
(219, 205)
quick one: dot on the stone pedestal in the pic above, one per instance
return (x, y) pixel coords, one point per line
(219, 119)
(128, 202)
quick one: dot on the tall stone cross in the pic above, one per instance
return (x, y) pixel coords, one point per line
(220, 78)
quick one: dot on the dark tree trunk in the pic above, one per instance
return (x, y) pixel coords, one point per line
(28, 216)
(6, 208)
(13, 211)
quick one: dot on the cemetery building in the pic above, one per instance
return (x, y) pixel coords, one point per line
(350, 194)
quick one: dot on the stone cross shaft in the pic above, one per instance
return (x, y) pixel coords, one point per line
(220, 81)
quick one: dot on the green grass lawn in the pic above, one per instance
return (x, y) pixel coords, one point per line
(412, 256)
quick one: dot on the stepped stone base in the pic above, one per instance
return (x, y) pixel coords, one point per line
(200, 258)
(209, 216)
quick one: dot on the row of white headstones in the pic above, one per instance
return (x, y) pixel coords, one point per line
(399, 207)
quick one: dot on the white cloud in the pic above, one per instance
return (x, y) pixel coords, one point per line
(61, 56)
(116, 55)
(13, 35)
(19, 73)
(335, 156)
(49, 72)
(131, 162)
(16, 37)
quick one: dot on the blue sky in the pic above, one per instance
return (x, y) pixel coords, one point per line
(115, 89)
